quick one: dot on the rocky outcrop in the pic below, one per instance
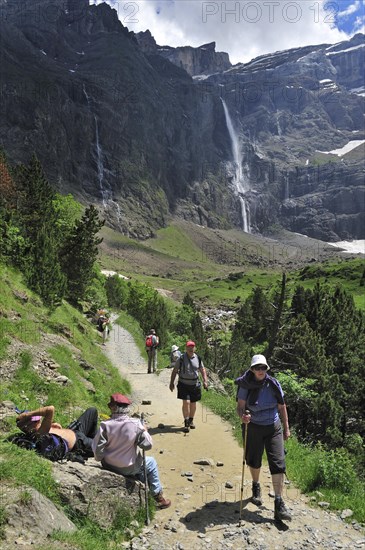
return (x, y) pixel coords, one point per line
(203, 60)
(90, 491)
(87, 491)
(30, 517)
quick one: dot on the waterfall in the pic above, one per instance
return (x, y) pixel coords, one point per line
(105, 190)
(105, 193)
(239, 183)
(279, 130)
(287, 188)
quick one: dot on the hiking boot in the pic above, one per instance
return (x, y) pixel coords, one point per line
(161, 501)
(256, 494)
(281, 511)
(186, 426)
(191, 424)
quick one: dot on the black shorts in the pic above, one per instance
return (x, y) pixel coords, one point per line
(269, 438)
(189, 393)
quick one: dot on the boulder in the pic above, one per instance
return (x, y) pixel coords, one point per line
(98, 494)
(31, 516)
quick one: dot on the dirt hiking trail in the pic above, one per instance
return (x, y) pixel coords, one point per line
(206, 498)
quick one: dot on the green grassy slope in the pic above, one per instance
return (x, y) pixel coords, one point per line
(64, 335)
(219, 268)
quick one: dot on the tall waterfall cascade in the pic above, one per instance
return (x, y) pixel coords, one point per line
(241, 185)
(105, 189)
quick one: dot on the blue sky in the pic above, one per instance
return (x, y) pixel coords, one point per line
(349, 15)
(243, 28)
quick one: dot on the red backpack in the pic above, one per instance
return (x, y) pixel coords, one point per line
(149, 341)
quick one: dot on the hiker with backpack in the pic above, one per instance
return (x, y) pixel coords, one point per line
(174, 356)
(260, 406)
(188, 367)
(52, 440)
(103, 326)
(116, 446)
(152, 341)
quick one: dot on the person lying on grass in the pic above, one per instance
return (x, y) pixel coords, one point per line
(77, 437)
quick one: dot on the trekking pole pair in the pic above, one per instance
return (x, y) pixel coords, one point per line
(243, 467)
(147, 520)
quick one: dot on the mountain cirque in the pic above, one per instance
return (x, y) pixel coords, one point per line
(117, 123)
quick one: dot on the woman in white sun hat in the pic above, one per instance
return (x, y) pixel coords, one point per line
(174, 355)
(260, 406)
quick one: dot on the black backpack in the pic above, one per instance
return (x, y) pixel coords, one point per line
(50, 446)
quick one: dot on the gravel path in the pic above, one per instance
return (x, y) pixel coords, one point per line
(205, 498)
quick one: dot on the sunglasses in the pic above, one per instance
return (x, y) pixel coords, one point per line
(260, 367)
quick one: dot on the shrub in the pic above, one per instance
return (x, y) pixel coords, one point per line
(336, 470)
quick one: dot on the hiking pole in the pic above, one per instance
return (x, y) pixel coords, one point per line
(243, 467)
(145, 480)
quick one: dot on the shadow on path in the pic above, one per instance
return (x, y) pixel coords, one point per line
(168, 429)
(217, 515)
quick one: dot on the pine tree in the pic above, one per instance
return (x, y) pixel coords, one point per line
(79, 254)
(37, 221)
(48, 280)
(279, 307)
(300, 350)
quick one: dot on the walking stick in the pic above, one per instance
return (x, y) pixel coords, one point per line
(147, 521)
(243, 468)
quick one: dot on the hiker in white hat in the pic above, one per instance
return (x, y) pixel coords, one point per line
(174, 355)
(260, 406)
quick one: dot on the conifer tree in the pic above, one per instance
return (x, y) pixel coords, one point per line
(79, 254)
(279, 307)
(300, 350)
(37, 220)
(48, 280)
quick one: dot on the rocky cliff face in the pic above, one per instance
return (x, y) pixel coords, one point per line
(118, 121)
(109, 124)
(290, 110)
(203, 60)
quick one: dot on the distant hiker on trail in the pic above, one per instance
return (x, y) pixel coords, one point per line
(103, 326)
(77, 437)
(261, 395)
(115, 445)
(188, 367)
(174, 356)
(152, 341)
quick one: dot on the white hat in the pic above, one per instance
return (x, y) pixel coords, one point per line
(174, 348)
(259, 360)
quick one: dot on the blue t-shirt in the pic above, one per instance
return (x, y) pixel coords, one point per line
(266, 411)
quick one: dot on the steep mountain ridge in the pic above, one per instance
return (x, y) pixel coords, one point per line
(120, 125)
(195, 61)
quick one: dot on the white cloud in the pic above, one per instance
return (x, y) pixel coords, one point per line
(245, 29)
(359, 25)
(352, 8)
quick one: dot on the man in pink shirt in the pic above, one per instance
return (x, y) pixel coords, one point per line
(116, 442)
